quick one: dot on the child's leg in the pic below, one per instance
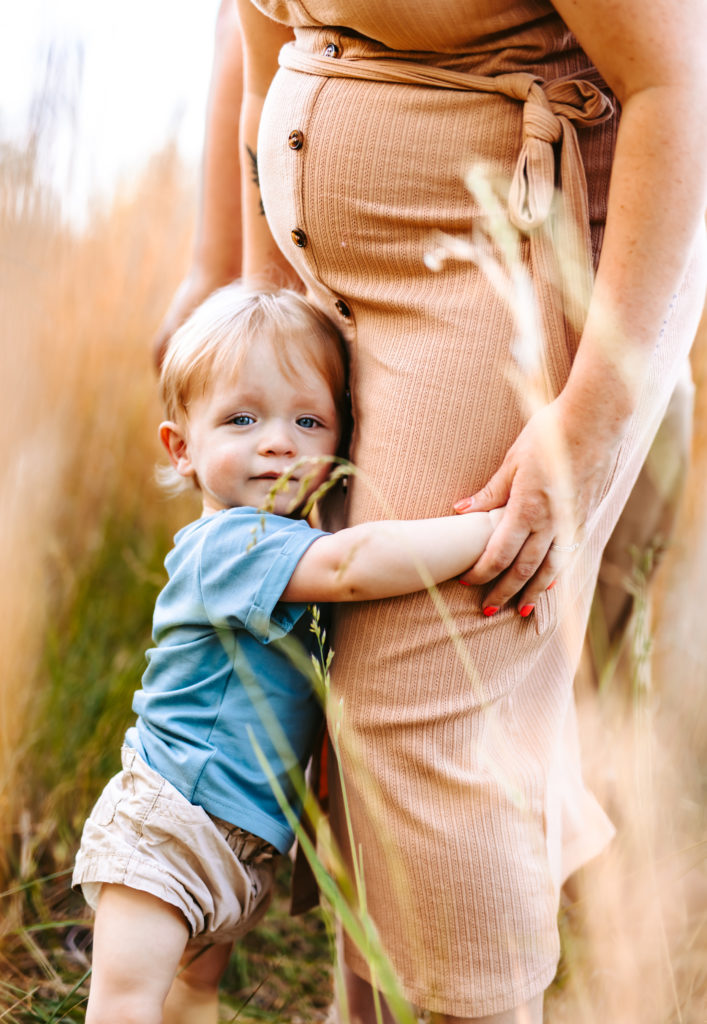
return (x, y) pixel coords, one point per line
(193, 997)
(138, 941)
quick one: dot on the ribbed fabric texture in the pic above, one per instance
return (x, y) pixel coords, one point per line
(459, 746)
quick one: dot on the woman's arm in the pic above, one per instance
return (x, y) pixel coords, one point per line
(262, 41)
(390, 558)
(216, 257)
(653, 56)
(227, 169)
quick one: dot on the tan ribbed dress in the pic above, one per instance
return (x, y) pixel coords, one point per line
(457, 735)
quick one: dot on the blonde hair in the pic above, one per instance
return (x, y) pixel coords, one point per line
(217, 335)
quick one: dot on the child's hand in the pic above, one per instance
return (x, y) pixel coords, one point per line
(496, 515)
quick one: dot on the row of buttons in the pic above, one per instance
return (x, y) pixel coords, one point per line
(295, 140)
(300, 240)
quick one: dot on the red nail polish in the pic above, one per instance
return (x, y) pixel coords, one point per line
(465, 505)
(526, 610)
(551, 585)
(464, 583)
(490, 609)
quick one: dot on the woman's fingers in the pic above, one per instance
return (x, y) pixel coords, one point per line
(191, 292)
(543, 579)
(526, 527)
(520, 561)
(521, 572)
(549, 482)
(493, 495)
(500, 553)
(535, 569)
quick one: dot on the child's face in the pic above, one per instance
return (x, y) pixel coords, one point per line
(242, 434)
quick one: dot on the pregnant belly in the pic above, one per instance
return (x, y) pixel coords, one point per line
(358, 179)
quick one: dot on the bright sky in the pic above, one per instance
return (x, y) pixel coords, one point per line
(124, 77)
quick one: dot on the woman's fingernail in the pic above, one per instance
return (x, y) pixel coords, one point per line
(464, 583)
(552, 585)
(490, 609)
(465, 505)
(526, 610)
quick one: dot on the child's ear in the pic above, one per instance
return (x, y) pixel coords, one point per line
(173, 438)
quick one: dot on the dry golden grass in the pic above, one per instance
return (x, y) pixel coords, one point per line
(637, 930)
(79, 413)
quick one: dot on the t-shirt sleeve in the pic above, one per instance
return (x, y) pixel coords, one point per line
(246, 561)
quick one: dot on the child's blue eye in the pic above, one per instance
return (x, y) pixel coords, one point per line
(243, 419)
(307, 422)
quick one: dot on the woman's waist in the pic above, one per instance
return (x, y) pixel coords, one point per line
(558, 58)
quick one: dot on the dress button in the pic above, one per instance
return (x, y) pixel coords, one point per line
(343, 308)
(295, 139)
(299, 237)
(332, 50)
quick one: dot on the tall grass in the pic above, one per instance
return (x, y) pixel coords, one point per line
(636, 923)
(79, 412)
(84, 530)
(80, 520)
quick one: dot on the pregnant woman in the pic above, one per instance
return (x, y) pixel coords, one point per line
(456, 727)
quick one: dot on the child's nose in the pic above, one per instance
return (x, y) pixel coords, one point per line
(276, 439)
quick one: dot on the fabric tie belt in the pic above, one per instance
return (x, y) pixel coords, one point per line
(549, 110)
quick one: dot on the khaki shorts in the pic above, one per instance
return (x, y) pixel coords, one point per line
(142, 833)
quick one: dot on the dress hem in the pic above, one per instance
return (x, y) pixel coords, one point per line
(462, 1008)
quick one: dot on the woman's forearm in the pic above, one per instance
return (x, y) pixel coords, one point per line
(231, 228)
(656, 209)
(216, 255)
(262, 41)
(217, 247)
(652, 55)
(262, 259)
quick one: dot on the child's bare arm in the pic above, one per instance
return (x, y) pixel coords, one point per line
(390, 558)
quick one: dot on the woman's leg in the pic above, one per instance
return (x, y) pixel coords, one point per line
(359, 1004)
(138, 941)
(193, 997)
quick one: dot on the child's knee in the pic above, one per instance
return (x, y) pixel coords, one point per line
(194, 992)
(203, 969)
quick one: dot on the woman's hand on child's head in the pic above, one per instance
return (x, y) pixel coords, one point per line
(194, 289)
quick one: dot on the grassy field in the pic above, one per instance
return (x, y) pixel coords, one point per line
(84, 532)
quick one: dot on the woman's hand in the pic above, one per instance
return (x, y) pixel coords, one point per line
(551, 480)
(194, 289)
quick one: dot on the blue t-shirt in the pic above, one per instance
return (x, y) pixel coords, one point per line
(227, 656)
